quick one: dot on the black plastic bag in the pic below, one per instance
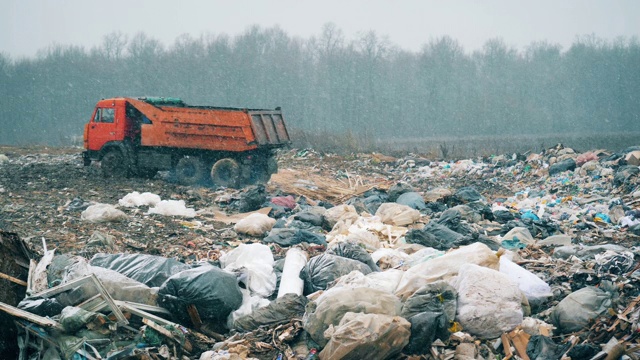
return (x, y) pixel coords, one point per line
(39, 306)
(281, 310)
(398, 189)
(561, 166)
(148, 269)
(452, 218)
(583, 351)
(467, 194)
(323, 269)
(412, 199)
(503, 216)
(311, 215)
(426, 327)
(368, 203)
(252, 198)
(436, 236)
(214, 293)
(436, 297)
(290, 237)
(543, 348)
(355, 252)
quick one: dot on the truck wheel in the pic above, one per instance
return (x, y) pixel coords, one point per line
(147, 173)
(225, 172)
(259, 175)
(272, 165)
(86, 160)
(190, 170)
(113, 165)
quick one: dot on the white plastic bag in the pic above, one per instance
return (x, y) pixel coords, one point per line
(329, 308)
(364, 237)
(117, 285)
(445, 267)
(249, 303)
(255, 225)
(423, 255)
(136, 199)
(336, 213)
(489, 303)
(172, 208)
(389, 258)
(386, 281)
(256, 261)
(535, 289)
(99, 213)
(522, 234)
(366, 230)
(366, 336)
(397, 214)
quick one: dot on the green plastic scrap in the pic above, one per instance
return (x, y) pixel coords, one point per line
(151, 337)
(512, 244)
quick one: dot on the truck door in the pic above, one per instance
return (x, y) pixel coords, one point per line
(102, 127)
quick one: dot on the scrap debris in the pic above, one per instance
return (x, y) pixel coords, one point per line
(330, 252)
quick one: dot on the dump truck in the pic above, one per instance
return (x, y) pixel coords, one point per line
(222, 146)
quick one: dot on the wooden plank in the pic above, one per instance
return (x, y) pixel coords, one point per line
(13, 279)
(506, 345)
(156, 319)
(144, 307)
(146, 315)
(90, 303)
(109, 300)
(32, 273)
(194, 316)
(520, 340)
(121, 320)
(64, 287)
(36, 319)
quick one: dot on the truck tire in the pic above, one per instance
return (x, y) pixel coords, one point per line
(225, 172)
(113, 164)
(272, 165)
(147, 173)
(259, 175)
(190, 170)
(261, 171)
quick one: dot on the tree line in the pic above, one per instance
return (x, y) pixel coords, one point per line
(366, 87)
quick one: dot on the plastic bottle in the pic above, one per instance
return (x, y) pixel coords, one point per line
(313, 355)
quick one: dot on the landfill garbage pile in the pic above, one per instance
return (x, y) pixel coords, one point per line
(519, 256)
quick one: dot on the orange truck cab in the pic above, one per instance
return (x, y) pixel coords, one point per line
(225, 146)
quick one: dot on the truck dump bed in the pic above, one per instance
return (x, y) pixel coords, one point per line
(210, 128)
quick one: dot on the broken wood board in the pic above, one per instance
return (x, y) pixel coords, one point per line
(91, 278)
(520, 340)
(13, 279)
(36, 319)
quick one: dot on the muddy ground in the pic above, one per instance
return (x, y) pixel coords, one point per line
(38, 184)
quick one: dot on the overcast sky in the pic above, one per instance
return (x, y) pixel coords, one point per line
(29, 25)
